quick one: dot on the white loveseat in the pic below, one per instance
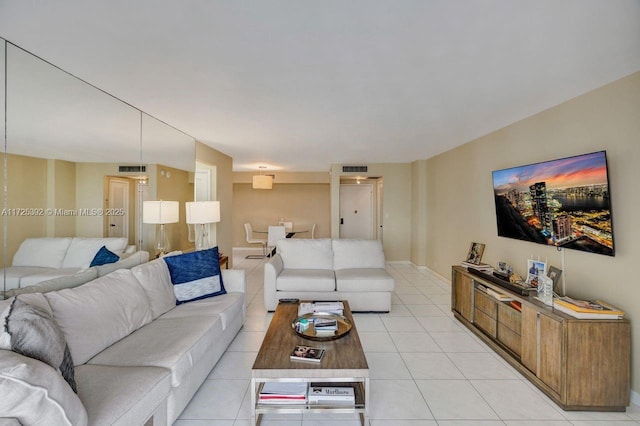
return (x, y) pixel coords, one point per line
(137, 355)
(43, 259)
(326, 269)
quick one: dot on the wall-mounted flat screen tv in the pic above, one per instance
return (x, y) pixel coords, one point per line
(564, 203)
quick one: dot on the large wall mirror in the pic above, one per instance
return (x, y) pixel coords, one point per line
(79, 162)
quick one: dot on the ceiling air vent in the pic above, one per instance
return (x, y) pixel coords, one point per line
(132, 169)
(354, 169)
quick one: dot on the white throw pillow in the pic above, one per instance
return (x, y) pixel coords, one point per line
(42, 252)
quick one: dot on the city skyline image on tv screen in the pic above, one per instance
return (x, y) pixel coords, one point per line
(564, 203)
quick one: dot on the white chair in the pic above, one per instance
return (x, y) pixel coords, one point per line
(288, 226)
(275, 233)
(249, 235)
(313, 231)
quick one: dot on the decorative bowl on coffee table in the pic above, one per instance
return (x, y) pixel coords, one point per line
(344, 326)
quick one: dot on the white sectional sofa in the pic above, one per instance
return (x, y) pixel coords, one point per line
(326, 269)
(44, 259)
(137, 355)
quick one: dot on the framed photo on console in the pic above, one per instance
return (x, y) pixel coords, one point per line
(475, 253)
(534, 269)
(554, 273)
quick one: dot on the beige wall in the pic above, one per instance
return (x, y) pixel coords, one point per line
(418, 211)
(302, 203)
(24, 193)
(90, 193)
(224, 191)
(62, 176)
(396, 203)
(460, 206)
(175, 185)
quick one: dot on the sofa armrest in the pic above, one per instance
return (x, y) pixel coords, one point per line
(234, 280)
(271, 271)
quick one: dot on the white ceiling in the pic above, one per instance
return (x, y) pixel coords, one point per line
(299, 85)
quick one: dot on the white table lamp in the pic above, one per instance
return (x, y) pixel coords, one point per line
(161, 212)
(202, 213)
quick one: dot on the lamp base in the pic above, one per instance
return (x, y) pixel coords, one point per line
(162, 242)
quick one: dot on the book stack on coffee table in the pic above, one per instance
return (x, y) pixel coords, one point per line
(329, 395)
(283, 393)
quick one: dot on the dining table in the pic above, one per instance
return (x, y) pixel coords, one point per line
(290, 234)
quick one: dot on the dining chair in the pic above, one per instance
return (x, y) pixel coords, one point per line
(313, 231)
(288, 226)
(274, 234)
(249, 235)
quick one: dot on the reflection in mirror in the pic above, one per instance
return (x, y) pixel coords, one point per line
(78, 162)
(63, 137)
(170, 158)
(3, 227)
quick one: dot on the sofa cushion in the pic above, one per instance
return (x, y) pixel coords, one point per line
(99, 313)
(227, 306)
(66, 281)
(42, 252)
(127, 261)
(14, 274)
(103, 257)
(366, 279)
(122, 395)
(82, 250)
(348, 254)
(306, 280)
(177, 344)
(31, 331)
(195, 275)
(298, 253)
(36, 394)
(49, 274)
(155, 280)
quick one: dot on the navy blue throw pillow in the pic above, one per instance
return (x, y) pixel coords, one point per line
(195, 275)
(103, 257)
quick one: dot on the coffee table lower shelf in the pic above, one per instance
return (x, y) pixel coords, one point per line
(359, 384)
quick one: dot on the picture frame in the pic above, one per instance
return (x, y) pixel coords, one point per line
(554, 273)
(475, 253)
(534, 269)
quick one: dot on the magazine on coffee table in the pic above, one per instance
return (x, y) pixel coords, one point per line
(307, 353)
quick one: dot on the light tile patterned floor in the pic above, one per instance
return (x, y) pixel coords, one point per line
(426, 369)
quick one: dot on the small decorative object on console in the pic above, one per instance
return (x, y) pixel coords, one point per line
(545, 289)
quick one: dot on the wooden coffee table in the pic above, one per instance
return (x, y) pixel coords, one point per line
(343, 364)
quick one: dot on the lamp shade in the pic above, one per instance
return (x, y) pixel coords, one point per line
(160, 212)
(262, 182)
(203, 211)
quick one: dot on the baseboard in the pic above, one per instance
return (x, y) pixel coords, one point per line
(398, 262)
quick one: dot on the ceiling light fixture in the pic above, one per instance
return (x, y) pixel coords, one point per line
(261, 181)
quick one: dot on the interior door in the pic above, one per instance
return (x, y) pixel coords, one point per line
(117, 214)
(356, 211)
